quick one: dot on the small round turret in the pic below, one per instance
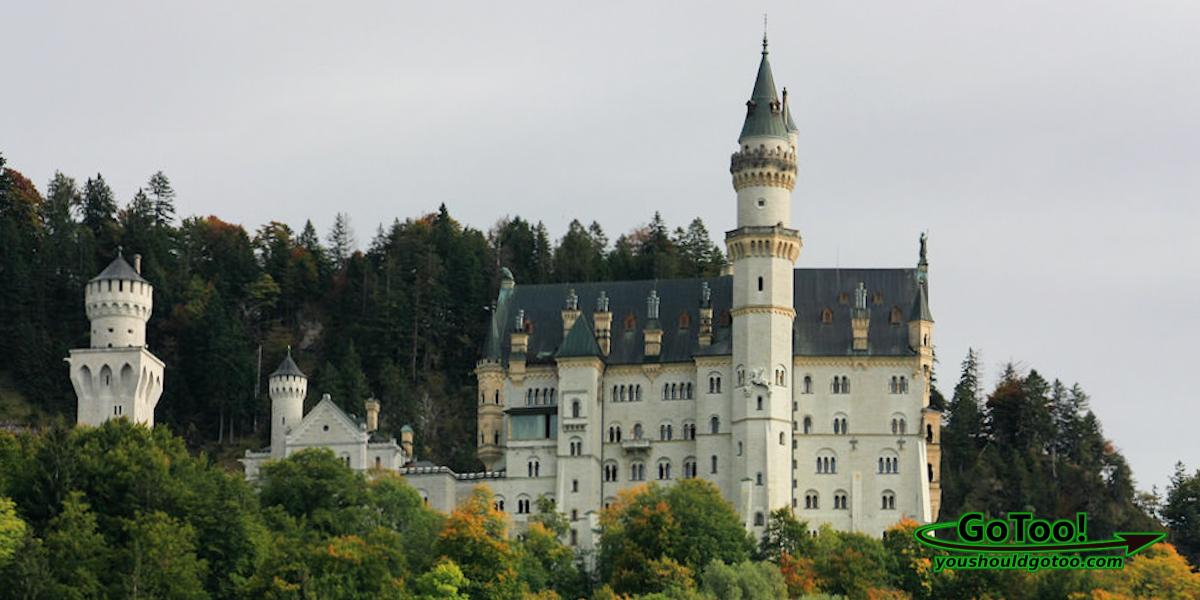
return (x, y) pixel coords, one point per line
(288, 387)
(119, 302)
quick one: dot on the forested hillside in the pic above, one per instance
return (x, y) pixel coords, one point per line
(122, 511)
(402, 320)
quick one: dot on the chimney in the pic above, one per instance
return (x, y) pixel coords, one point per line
(860, 319)
(602, 321)
(406, 444)
(706, 315)
(652, 334)
(570, 313)
(137, 263)
(372, 415)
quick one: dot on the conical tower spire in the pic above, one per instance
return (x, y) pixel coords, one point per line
(764, 111)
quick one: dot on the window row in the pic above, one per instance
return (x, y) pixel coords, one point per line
(841, 425)
(677, 391)
(540, 397)
(841, 500)
(889, 464)
(637, 470)
(627, 393)
(840, 384)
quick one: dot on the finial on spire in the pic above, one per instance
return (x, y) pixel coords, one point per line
(764, 33)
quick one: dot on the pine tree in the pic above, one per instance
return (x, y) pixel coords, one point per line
(341, 240)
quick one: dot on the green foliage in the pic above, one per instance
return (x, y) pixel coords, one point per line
(689, 523)
(315, 485)
(746, 581)
(12, 530)
(1181, 513)
(160, 560)
(784, 534)
(442, 582)
(1033, 446)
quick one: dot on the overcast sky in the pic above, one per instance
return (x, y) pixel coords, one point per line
(1050, 149)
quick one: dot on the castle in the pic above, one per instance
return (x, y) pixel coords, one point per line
(785, 387)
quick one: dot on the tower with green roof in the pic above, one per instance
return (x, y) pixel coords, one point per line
(763, 250)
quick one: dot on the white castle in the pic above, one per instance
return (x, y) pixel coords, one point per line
(785, 387)
(117, 376)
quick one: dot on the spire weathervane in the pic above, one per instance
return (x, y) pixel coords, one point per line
(764, 33)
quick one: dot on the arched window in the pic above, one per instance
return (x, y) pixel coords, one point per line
(630, 322)
(614, 394)
(758, 516)
(622, 393)
(903, 385)
(811, 500)
(685, 321)
(496, 397)
(714, 464)
(928, 433)
(929, 468)
(689, 391)
(533, 468)
(845, 385)
(637, 472)
(714, 425)
(666, 391)
(576, 447)
(610, 471)
(664, 470)
(638, 390)
(781, 438)
(674, 392)
(496, 437)
(888, 500)
(739, 449)
(807, 424)
(637, 431)
(575, 409)
(807, 384)
(760, 403)
(827, 315)
(840, 501)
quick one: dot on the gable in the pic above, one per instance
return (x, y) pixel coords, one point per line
(326, 424)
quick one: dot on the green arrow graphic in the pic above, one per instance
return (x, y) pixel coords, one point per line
(1131, 542)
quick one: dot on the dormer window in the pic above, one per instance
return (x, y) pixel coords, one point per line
(630, 322)
(895, 318)
(827, 315)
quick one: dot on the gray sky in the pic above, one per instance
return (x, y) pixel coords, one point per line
(1051, 149)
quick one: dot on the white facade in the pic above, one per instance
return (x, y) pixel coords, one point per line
(353, 440)
(117, 376)
(792, 388)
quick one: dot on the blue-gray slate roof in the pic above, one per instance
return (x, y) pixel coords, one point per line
(760, 119)
(119, 269)
(288, 367)
(814, 291)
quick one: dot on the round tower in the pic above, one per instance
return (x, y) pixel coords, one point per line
(288, 387)
(119, 302)
(763, 250)
(117, 377)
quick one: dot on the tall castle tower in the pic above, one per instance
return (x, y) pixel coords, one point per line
(764, 251)
(288, 387)
(117, 376)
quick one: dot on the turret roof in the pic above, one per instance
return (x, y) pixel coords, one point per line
(119, 269)
(761, 120)
(580, 341)
(920, 307)
(288, 367)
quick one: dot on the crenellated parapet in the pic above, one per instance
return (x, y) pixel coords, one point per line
(764, 241)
